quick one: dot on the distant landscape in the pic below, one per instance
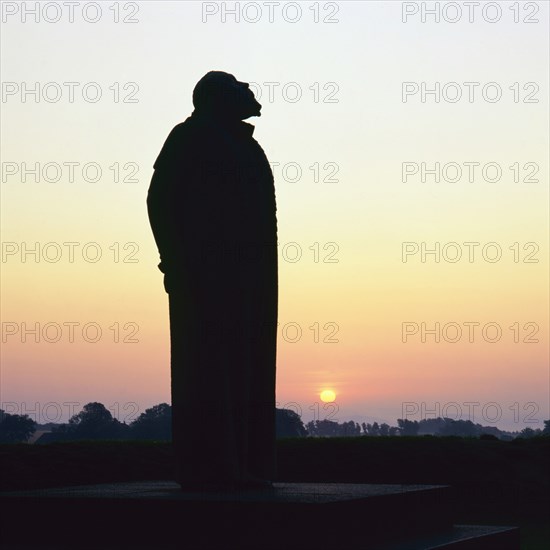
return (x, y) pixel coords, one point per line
(95, 422)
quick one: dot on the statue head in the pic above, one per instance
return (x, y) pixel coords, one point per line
(221, 95)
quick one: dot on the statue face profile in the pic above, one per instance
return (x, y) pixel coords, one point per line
(221, 95)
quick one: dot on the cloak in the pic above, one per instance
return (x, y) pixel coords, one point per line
(212, 209)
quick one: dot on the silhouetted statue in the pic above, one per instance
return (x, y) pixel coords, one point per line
(212, 209)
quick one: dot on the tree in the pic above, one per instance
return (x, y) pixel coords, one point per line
(352, 428)
(384, 429)
(529, 432)
(289, 424)
(460, 428)
(371, 429)
(154, 423)
(95, 422)
(375, 429)
(323, 428)
(408, 427)
(15, 428)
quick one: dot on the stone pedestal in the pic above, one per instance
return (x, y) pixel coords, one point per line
(157, 514)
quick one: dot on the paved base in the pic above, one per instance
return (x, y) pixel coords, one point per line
(157, 514)
(310, 493)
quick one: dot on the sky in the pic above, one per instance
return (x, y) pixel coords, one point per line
(410, 156)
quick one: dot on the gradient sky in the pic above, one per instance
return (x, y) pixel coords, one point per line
(367, 132)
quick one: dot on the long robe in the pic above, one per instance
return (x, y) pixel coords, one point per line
(212, 209)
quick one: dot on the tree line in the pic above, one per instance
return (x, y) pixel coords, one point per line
(95, 421)
(429, 426)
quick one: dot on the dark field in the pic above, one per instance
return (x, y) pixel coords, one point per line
(495, 482)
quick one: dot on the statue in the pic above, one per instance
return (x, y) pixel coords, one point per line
(211, 206)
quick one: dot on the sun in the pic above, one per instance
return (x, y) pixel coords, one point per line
(327, 396)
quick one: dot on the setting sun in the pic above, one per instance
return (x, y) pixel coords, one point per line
(327, 396)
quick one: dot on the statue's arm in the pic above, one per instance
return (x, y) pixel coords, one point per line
(168, 200)
(161, 210)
